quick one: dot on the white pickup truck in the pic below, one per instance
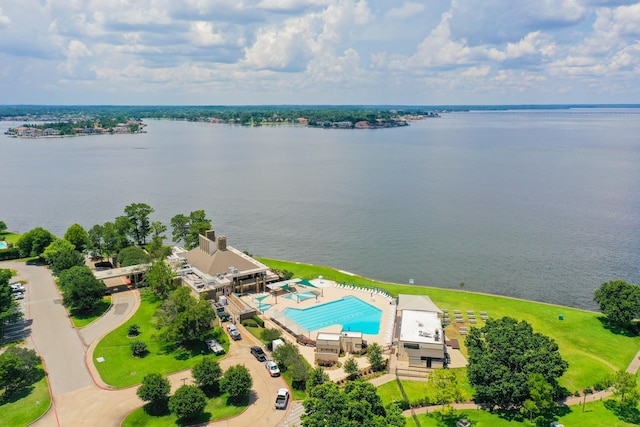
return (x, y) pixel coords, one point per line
(282, 399)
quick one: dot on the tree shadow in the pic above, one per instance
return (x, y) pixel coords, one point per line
(16, 395)
(200, 419)
(243, 401)
(625, 331)
(160, 409)
(627, 413)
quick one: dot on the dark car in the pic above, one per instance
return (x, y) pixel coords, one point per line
(258, 353)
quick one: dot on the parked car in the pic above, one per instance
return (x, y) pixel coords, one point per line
(16, 287)
(233, 332)
(214, 346)
(18, 295)
(282, 399)
(258, 353)
(272, 368)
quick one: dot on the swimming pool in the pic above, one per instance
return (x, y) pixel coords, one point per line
(263, 307)
(3, 244)
(350, 312)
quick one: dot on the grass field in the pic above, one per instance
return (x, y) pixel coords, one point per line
(26, 406)
(591, 350)
(80, 320)
(10, 237)
(120, 369)
(418, 390)
(217, 409)
(595, 415)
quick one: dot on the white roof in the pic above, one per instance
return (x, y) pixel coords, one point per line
(421, 326)
(328, 336)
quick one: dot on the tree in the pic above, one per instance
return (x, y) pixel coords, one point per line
(81, 290)
(540, 396)
(316, 377)
(18, 368)
(160, 278)
(187, 402)
(8, 306)
(157, 238)
(187, 228)
(446, 387)
(625, 388)
(114, 237)
(133, 255)
(138, 216)
(285, 355)
(237, 382)
(154, 389)
(62, 255)
(374, 355)
(33, 242)
(94, 238)
(138, 348)
(619, 301)
(3, 226)
(358, 404)
(78, 237)
(207, 374)
(502, 356)
(182, 318)
(351, 367)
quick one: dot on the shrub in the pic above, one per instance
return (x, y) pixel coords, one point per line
(187, 402)
(250, 323)
(138, 348)
(327, 363)
(134, 330)
(258, 320)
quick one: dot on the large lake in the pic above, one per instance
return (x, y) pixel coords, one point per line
(542, 205)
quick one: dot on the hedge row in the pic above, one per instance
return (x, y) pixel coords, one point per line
(11, 253)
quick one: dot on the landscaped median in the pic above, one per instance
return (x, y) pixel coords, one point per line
(591, 350)
(115, 363)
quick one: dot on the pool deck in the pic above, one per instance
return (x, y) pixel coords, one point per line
(330, 292)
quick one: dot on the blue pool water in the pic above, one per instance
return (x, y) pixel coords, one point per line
(350, 312)
(3, 244)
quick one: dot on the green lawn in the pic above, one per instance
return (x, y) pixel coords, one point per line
(217, 409)
(595, 415)
(120, 369)
(10, 237)
(418, 390)
(80, 320)
(591, 350)
(25, 407)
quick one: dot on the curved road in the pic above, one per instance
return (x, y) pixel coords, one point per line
(79, 397)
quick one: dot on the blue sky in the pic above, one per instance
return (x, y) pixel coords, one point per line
(221, 52)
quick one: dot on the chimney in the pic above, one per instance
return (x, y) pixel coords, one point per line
(222, 243)
(211, 235)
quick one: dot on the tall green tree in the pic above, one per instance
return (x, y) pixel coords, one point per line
(316, 377)
(541, 399)
(81, 291)
(8, 306)
(374, 355)
(447, 388)
(187, 402)
(18, 368)
(34, 242)
(619, 301)
(160, 278)
(502, 356)
(3, 226)
(237, 382)
(78, 236)
(94, 238)
(133, 255)
(138, 216)
(187, 228)
(62, 255)
(157, 239)
(351, 367)
(183, 318)
(207, 374)
(154, 389)
(625, 388)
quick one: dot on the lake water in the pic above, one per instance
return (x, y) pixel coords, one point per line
(543, 205)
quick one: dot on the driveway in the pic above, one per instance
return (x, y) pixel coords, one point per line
(80, 398)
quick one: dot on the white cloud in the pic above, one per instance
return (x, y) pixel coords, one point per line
(203, 34)
(4, 20)
(407, 9)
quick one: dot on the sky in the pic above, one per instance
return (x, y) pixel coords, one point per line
(255, 52)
